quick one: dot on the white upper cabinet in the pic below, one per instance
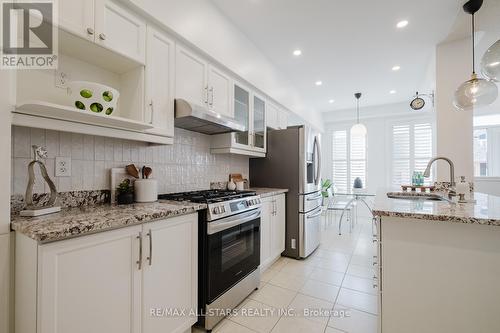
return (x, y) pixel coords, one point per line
(77, 17)
(220, 92)
(276, 118)
(160, 65)
(106, 23)
(282, 119)
(190, 77)
(249, 110)
(201, 83)
(119, 29)
(259, 123)
(272, 116)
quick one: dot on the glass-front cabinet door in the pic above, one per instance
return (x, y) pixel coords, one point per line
(242, 114)
(259, 123)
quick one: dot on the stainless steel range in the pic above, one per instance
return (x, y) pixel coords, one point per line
(229, 250)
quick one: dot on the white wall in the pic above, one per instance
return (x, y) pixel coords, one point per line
(6, 95)
(453, 128)
(202, 24)
(378, 121)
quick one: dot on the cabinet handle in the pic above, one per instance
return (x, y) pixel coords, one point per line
(150, 258)
(211, 96)
(102, 36)
(90, 31)
(139, 262)
(206, 95)
(152, 112)
(275, 207)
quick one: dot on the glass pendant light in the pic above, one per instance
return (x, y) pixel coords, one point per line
(358, 128)
(490, 64)
(476, 91)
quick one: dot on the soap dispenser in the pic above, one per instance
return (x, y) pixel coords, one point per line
(463, 189)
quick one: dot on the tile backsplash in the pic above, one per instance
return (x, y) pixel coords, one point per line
(186, 165)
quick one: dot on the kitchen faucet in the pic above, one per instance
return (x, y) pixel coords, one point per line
(427, 171)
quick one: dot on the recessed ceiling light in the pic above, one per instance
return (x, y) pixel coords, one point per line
(402, 24)
(318, 83)
(396, 68)
(392, 92)
(297, 53)
(331, 101)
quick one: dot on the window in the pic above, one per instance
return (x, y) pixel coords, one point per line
(480, 152)
(486, 157)
(340, 160)
(349, 159)
(411, 151)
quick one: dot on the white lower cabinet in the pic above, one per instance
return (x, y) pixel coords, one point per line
(123, 280)
(278, 226)
(170, 274)
(272, 235)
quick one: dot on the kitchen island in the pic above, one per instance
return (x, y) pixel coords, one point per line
(438, 264)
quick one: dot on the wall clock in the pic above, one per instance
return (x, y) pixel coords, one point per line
(418, 102)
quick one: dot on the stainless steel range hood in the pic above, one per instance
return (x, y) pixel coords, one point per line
(200, 119)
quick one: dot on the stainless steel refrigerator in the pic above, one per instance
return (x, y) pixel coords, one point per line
(293, 161)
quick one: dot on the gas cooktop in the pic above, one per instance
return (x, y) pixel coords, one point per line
(207, 196)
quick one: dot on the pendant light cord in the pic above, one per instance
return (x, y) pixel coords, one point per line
(473, 47)
(357, 108)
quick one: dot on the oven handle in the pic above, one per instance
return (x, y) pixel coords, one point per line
(232, 221)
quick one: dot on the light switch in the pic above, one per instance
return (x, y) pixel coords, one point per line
(63, 167)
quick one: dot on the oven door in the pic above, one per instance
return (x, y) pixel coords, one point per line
(233, 251)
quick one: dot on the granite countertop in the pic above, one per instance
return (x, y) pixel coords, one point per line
(268, 192)
(73, 222)
(485, 211)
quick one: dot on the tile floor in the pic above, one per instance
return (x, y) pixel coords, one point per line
(336, 278)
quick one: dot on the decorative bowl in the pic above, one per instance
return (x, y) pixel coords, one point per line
(93, 97)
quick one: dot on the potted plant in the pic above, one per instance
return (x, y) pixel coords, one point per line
(325, 185)
(125, 193)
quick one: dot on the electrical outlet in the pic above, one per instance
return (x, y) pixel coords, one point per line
(63, 167)
(61, 79)
(293, 244)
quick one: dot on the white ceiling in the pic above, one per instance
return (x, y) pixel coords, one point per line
(349, 45)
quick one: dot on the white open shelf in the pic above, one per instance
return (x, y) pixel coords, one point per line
(69, 113)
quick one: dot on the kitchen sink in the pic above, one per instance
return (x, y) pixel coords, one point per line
(417, 196)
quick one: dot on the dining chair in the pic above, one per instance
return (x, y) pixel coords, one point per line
(335, 205)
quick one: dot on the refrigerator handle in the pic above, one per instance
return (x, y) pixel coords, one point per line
(317, 151)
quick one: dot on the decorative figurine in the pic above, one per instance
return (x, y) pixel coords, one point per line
(49, 207)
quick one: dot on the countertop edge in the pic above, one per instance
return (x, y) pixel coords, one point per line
(265, 192)
(77, 229)
(438, 218)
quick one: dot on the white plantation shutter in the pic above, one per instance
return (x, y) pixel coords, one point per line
(423, 147)
(412, 149)
(400, 154)
(340, 160)
(358, 158)
(349, 159)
